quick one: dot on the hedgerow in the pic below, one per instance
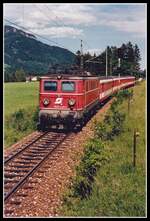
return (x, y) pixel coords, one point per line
(95, 154)
(94, 157)
(22, 120)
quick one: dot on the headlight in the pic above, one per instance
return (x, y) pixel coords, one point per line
(46, 101)
(71, 102)
(59, 77)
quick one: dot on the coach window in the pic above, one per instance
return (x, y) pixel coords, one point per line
(68, 86)
(50, 86)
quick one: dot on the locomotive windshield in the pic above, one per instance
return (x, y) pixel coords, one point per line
(68, 86)
(50, 85)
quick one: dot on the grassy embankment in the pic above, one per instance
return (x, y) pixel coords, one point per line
(19, 96)
(118, 189)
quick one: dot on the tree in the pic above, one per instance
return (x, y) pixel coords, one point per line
(137, 58)
(86, 56)
(20, 75)
(129, 58)
(94, 55)
(130, 52)
(9, 75)
(78, 58)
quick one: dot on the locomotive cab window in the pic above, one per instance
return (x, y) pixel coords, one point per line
(50, 85)
(68, 86)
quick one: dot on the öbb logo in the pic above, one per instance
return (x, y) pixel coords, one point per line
(59, 100)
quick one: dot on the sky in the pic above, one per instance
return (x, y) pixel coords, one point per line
(98, 25)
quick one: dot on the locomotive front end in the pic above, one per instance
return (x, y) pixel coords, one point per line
(58, 102)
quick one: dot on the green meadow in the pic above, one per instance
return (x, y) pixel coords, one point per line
(20, 103)
(20, 95)
(119, 189)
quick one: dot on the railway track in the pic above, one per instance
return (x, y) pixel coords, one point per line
(19, 167)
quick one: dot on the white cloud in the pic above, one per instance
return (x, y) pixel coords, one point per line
(74, 16)
(62, 13)
(60, 32)
(41, 20)
(130, 21)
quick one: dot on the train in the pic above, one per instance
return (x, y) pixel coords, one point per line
(68, 100)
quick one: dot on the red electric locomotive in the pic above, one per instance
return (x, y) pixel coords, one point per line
(70, 100)
(67, 100)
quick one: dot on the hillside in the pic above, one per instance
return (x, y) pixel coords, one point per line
(23, 50)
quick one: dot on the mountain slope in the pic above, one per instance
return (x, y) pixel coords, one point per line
(23, 50)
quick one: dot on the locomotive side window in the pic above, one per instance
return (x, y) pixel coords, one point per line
(68, 86)
(50, 85)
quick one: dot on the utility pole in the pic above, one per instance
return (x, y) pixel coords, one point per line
(118, 62)
(136, 134)
(81, 64)
(110, 66)
(106, 62)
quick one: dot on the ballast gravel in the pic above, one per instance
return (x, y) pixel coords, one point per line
(44, 193)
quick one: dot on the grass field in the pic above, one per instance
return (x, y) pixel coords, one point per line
(18, 96)
(119, 189)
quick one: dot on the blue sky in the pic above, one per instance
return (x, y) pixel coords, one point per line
(98, 25)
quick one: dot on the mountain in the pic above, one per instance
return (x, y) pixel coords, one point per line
(23, 50)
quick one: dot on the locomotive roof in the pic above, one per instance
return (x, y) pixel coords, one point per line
(78, 77)
(81, 77)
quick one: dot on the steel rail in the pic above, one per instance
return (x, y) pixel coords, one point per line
(24, 148)
(21, 182)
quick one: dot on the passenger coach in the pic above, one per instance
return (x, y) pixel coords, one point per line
(110, 85)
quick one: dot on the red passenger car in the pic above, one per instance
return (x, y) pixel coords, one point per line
(106, 87)
(111, 85)
(127, 82)
(67, 100)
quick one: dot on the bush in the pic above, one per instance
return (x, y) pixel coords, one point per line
(112, 126)
(19, 124)
(22, 120)
(100, 131)
(18, 120)
(113, 123)
(114, 105)
(82, 187)
(35, 117)
(117, 123)
(124, 94)
(94, 157)
(120, 96)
